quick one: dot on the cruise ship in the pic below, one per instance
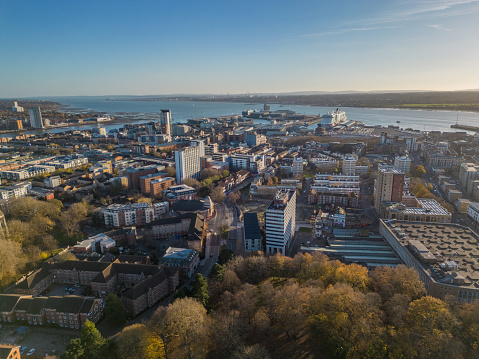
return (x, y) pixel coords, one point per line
(334, 118)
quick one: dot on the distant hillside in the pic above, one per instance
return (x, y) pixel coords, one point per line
(431, 100)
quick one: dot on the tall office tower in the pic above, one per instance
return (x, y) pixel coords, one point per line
(280, 219)
(165, 122)
(188, 165)
(388, 187)
(298, 167)
(349, 164)
(200, 144)
(36, 117)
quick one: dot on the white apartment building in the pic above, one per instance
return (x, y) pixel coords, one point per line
(403, 164)
(71, 161)
(161, 208)
(336, 183)
(349, 164)
(17, 190)
(280, 219)
(53, 181)
(36, 117)
(18, 175)
(188, 164)
(473, 212)
(125, 215)
(253, 163)
(298, 166)
(200, 144)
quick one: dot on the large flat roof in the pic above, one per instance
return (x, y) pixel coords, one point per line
(446, 242)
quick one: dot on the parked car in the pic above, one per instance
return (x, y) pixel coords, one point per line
(31, 351)
(22, 350)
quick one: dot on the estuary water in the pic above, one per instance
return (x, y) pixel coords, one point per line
(144, 111)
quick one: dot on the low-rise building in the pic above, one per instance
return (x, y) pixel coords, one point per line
(99, 243)
(123, 215)
(425, 210)
(187, 260)
(253, 241)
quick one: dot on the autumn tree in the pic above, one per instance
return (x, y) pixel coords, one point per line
(431, 325)
(185, 328)
(49, 243)
(208, 173)
(388, 281)
(233, 197)
(11, 260)
(217, 194)
(72, 217)
(171, 171)
(137, 342)
(192, 183)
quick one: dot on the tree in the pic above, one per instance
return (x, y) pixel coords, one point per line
(185, 326)
(144, 200)
(217, 194)
(90, 345)
(72, 217)
(192, 183)
(65, 256)
(137, 342)
(388, 281)
(49, 243)
(225, 255)
(11, 260)
(225, 173)
(217, 272)
(418, 171)
(200, 290)
(233, 197)
(171, 171)
(115, 310)
(208, 173)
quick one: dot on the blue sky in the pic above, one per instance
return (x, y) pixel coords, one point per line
(146, 47)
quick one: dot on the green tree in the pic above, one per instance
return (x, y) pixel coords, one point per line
(225, 173)
(217, 272)
(200, 290)
(90, 345)
(225, 255)
(115, 310)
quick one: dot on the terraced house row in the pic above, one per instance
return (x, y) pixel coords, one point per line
(70, 311)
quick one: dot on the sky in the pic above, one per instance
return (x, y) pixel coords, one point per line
(154, 47)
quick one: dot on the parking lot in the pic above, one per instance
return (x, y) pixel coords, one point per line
(61, 290)
(44, 340)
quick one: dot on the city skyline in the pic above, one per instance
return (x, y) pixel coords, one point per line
(153, 48)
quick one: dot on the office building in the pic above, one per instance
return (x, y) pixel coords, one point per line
(280, 219)
(349, 164)
(36, 120)
(188, 163)
(165, 122)
(388, 187)
(468, 173)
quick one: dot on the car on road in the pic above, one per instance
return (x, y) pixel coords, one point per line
(31, 351)
(22, 350)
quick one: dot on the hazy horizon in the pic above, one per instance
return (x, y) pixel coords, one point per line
(164, 48)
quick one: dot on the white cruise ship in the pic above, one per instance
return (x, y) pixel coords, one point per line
(333, 118)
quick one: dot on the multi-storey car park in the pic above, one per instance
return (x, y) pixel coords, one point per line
(446, 256)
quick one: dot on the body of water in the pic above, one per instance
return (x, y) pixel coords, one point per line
(145, 111)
